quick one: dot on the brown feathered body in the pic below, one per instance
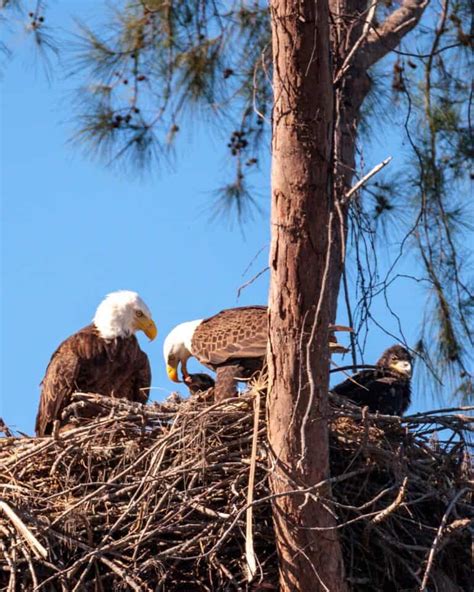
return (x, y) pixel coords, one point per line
(235, 334)
(233, 343)
(85, 362)
(383, 389)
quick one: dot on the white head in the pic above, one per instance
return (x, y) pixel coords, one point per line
(122, 314)
(177, 348)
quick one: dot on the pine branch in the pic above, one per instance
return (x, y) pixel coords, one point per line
(384, 38)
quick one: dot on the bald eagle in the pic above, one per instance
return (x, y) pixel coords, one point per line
(385, 389)
(102, 358)
(233, 343)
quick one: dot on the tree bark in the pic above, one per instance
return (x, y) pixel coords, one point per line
(301, 296)
(313, 164)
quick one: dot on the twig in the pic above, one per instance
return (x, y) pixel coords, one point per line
(352, 367)
(392, 507)
(169, 495)
(350, 56)
(249, 546)
(437, 539)
(21, 527)
(251, 280)
(365, 178)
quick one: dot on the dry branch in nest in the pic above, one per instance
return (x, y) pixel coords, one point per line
(157, 497)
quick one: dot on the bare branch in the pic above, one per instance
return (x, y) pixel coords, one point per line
(38, 549)
(389, 34)
(365, 32)
(368, 176)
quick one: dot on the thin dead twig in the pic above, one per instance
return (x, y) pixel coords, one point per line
(365, 178)
(38, 549)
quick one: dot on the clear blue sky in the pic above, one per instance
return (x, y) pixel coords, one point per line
(73, 231)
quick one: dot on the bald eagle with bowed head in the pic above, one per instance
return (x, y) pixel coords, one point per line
(385, 389)
(102, 358)
(233, 343)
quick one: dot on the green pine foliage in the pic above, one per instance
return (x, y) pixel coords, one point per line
(153, 66)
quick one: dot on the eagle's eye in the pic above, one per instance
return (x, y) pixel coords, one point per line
(139, 313)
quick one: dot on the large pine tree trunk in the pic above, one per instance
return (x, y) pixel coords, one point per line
(302, 293)
(314, 142)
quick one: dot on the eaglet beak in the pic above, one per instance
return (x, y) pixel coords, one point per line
(402, 366)
(147, 326)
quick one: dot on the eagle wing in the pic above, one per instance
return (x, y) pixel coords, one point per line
(143, 379)
(58, 385)
(381, 390)
(231, 334)
(86, 362)
(360, 382)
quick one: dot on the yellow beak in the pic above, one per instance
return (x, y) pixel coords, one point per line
(147, 326)
(402, 366)
(172, 373)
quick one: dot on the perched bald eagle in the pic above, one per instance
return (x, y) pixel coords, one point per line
(385, 389)
(233, 343)
(102, 358)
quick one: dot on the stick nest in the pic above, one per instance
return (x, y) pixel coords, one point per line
(156, 497)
